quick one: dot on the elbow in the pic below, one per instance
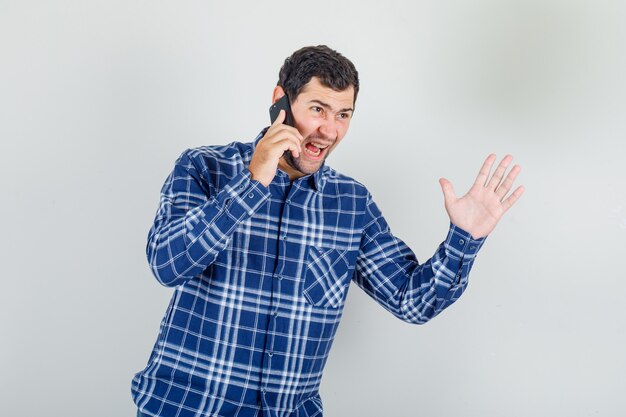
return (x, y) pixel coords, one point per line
(413, 309)
(419, 320)
(163, 269)
(166, 277)
(415, 315)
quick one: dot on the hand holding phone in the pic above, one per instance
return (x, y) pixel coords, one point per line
(279, 138)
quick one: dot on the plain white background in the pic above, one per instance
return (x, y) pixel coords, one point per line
(97, 100)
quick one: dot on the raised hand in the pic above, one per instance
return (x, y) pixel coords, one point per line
(278, 139)
(479, 211)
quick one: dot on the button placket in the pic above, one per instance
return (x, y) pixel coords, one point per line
(284, 215)
(276, 285)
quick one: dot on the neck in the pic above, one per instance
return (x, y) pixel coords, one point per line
(293, 173)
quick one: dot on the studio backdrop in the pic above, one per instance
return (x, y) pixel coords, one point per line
(99, 98)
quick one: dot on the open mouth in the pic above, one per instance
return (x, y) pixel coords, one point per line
(314, 149)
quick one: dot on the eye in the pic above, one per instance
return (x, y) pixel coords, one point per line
(316, 109)
(344, 116)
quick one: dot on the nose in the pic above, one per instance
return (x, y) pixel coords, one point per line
(328, 127)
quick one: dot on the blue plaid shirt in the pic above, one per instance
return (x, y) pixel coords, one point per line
(261, 276)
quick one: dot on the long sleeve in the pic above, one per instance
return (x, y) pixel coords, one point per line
(194, 223)
(389, 272)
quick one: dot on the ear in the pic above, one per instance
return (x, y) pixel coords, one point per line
(278, 94)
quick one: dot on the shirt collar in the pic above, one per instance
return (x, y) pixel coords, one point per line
(315, 180)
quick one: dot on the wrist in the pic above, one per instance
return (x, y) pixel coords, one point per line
(258, 178)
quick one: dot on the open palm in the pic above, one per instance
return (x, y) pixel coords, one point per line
(479, 211)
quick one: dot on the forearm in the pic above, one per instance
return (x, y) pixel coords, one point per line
(181, 247)
(389, 272)
(440, 281)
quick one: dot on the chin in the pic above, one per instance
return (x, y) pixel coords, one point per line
(305, 169)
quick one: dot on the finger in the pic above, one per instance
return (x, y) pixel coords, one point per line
(290, 144)
(508, 182)
(292, 135)
(295, 148)
(448, 190)
(499, 173)
(508, 203)
(483, 174)
(280, 119)
(280, 132)
(279, 139)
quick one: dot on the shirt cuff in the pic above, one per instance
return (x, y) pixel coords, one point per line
(235, 202)
(243, 196)
(461, 245)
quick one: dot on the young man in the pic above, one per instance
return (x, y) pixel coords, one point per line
(261, 241)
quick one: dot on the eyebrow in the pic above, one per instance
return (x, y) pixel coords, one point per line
(328, 106)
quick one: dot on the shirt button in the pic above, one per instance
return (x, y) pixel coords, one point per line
(461, 241)
(250, 195)
(472, 247)
(288, 201)
(241, 187)
(280, 277)
(270, 354)
(284, 236)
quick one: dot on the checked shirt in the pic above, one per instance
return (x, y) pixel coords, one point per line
(261, 276)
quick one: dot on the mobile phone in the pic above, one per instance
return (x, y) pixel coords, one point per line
(282, 104)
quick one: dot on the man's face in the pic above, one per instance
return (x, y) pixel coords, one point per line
(322, 116)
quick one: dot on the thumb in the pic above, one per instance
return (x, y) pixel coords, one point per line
(280, 118)
(448, 190)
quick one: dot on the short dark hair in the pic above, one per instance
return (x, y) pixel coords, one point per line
(333, 70)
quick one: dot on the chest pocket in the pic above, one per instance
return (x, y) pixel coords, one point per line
(327, 277)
